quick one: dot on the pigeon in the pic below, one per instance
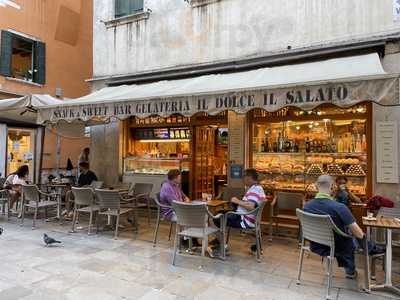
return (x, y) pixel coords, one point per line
(1, 231)
(49, 240)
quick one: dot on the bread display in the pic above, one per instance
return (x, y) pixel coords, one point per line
(347, 161)
(315, 170)
(355, 170)
(334, 169)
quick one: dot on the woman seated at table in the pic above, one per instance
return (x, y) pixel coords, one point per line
(14, 182)
(343, 194)
(171, 191)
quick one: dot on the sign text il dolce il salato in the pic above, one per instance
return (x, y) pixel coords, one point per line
(344, 95)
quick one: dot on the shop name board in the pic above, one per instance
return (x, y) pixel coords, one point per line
(343, 95)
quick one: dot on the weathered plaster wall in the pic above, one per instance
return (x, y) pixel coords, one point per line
(177, 34)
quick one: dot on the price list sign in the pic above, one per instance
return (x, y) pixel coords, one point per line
(387, 156)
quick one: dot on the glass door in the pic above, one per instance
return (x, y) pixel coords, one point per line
(21, 150)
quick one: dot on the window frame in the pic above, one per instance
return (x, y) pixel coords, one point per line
(131, 11)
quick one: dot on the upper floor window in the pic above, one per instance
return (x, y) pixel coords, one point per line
(127, 7)
(22, 58)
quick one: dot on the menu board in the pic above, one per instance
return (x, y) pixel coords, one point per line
(162, 133)
(387, 158)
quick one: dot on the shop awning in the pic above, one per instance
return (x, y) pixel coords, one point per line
(24, 109)
(341, 81)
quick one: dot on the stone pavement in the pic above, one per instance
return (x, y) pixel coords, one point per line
(101, 268)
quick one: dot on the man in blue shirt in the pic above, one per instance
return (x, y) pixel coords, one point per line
(323, 204)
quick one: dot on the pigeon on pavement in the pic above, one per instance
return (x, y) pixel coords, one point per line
(49, 240)
(1, 231)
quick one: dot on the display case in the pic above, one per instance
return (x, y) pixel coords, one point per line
(299, 171)
(293, 148)
(154, 166)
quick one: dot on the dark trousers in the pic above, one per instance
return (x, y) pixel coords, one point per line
(232, 221)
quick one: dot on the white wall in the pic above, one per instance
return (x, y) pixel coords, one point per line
(177, 34)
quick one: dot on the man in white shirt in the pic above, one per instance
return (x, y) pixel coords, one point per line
(253, 197)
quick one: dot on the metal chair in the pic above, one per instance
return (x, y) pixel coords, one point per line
(160, 217)
(192, 222)
(2, 182)
(281, 208)
(31, 198)
(5, 202)
(110, 205)
(139, 193)
(85, 203)
(258, 211)
(96, 184)
(321, 229)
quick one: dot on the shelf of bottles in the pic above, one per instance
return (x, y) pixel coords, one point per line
(291, 155)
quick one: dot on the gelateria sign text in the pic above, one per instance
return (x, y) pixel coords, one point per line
(307, 97)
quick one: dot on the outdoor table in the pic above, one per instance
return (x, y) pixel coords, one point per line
(385, 220)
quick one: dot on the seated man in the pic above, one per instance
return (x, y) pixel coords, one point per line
(252, 198)
(171, 191)
(324, 204)
(86, 178)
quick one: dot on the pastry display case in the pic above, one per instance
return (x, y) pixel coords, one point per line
(291, 154)
(152, 166)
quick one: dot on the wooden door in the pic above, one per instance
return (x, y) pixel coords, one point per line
(203, 161)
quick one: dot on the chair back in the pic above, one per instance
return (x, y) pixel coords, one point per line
(83, 196)
(289, 201)
(259, 214)
(142, 189)
(231, 192)
(4, 195)
(108, 199)
(317, 228)
(96, 184)
(157, 200)
(2, 182)
(191, 215)
(30, 192)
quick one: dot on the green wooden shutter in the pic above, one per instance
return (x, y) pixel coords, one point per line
(136, 5)
(40, 63)
(127, 7)
(6, 53)
(122, 8)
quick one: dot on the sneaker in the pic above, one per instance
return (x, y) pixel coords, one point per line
(352, 276)
(253, 249)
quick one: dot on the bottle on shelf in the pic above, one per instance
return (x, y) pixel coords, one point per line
(324, 147)
(364, 143)
(262, 148)
(358, 143)
(281, 143)
(340, 145)
(308, 145)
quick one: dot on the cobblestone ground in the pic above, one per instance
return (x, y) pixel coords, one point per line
(99, 267)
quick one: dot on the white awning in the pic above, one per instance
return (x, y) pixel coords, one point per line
(268, 88)
(24, 109)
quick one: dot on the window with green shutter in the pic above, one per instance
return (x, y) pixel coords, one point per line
(22, 58)
(127, 7)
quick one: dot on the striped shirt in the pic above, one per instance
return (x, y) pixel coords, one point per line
(256, 195)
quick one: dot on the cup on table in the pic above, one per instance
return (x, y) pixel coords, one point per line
(370, 215)
(209, 197)
(204, 196)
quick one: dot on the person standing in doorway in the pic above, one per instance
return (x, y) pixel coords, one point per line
(83, 158)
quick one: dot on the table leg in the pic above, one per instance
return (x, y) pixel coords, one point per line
(388, 286)
(367, 273)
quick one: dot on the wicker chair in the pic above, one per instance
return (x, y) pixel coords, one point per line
(84, 203)
(5, 202)
(192, 222)
(110, 205)
(160, 218)
(258, 211)
(139, 194)
(31, 198)
(321, 229)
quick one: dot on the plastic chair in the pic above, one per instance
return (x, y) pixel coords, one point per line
(31, 198)
(258, 211)
(192, 222)
(110, 205)
(281, 206)
(2, 182)
(85, 203)
(160, 217)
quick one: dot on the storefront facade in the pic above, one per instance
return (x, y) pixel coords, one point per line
(291, 133)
